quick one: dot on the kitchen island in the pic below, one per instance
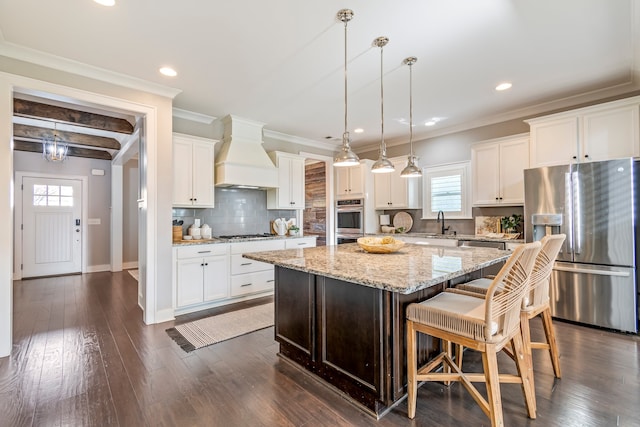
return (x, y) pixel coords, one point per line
(340, 312)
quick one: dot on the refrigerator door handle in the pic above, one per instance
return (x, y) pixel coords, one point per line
(568, 208)
(577, 224)
(590, 271)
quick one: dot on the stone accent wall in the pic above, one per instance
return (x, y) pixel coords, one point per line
(315, 212)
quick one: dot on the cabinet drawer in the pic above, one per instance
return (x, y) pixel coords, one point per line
(249, 283)
(200, 251)
(308, 242)
(257, 246)
(241, 265)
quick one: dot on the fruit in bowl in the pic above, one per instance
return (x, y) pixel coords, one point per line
(380, 245)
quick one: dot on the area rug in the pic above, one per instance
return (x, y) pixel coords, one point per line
(135, 274)
(210, 330)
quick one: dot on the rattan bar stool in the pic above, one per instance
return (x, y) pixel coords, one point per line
(536, 301)
(485, 323)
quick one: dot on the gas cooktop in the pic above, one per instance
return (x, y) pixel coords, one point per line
(244, 236)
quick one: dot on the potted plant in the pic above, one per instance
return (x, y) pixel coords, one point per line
(510, 223)
(294, 230)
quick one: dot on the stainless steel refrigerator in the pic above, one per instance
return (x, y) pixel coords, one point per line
(594, 280)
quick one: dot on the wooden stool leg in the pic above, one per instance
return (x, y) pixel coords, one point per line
(459, 351)
(526, 373)
(550, 333)
(448, 348)
(525, 330)
(490, 366)
(412, 369)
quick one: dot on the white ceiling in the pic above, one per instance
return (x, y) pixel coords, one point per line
(281, 62)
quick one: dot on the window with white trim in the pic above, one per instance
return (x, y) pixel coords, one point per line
(447, 188)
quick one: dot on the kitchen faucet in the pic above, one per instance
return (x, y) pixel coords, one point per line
(441, 216)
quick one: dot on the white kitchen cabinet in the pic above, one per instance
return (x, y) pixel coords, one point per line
(290, 191)
(299, 242)
(202, 274)
(249, 276)
(193, 171)
(391, 191)
(350, 182)
(600, 132)
(498, 170)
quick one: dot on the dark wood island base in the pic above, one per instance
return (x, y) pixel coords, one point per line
(349, 335)
(340, 312)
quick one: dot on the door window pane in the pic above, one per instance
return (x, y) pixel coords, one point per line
(52, 195)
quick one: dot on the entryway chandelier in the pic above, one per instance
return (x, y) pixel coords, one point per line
(53, 150)
(345, 157)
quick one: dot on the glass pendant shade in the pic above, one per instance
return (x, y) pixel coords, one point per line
(345, 157)
(52, 149)
(412, 170)
(382, 165)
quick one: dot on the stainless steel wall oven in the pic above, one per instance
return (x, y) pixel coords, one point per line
(349, 220)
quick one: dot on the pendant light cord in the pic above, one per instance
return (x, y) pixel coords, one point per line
(383, 146)
(411, 109)
(345, 135)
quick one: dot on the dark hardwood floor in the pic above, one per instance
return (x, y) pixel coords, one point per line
(82, 356)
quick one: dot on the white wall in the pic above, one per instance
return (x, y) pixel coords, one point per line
(130, 213)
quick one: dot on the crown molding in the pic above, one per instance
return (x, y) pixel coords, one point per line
(299, 140)
(193, 116)
(37, 57)
(549, 107)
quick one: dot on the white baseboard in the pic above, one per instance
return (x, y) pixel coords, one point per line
(98, 268)
(129, 265)
(165, 315)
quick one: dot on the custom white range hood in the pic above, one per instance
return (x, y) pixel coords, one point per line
(242, 161)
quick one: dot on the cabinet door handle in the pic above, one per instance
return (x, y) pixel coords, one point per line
(575, 157)
(204, 252)
(246, 263)
(246, 284)
(586, 156)
(301, 244)
(272, 280)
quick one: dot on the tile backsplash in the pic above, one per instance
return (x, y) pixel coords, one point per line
(237, 211)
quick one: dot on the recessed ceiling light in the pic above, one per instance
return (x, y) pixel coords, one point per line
(106, 2)
(503, 86)
(167, 71)
(359, 130)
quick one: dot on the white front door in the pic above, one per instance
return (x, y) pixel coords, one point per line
(51, 228)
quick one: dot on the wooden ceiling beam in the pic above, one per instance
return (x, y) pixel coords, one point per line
(33, 132)
(36, 147)
(36, 110)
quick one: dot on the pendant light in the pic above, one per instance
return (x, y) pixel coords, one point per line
(382, 165)
(345, 157)
(52, 149)
(412, 170)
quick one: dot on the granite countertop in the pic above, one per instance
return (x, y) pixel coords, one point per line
(452, 237)
(412, 268)
(215, 240)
